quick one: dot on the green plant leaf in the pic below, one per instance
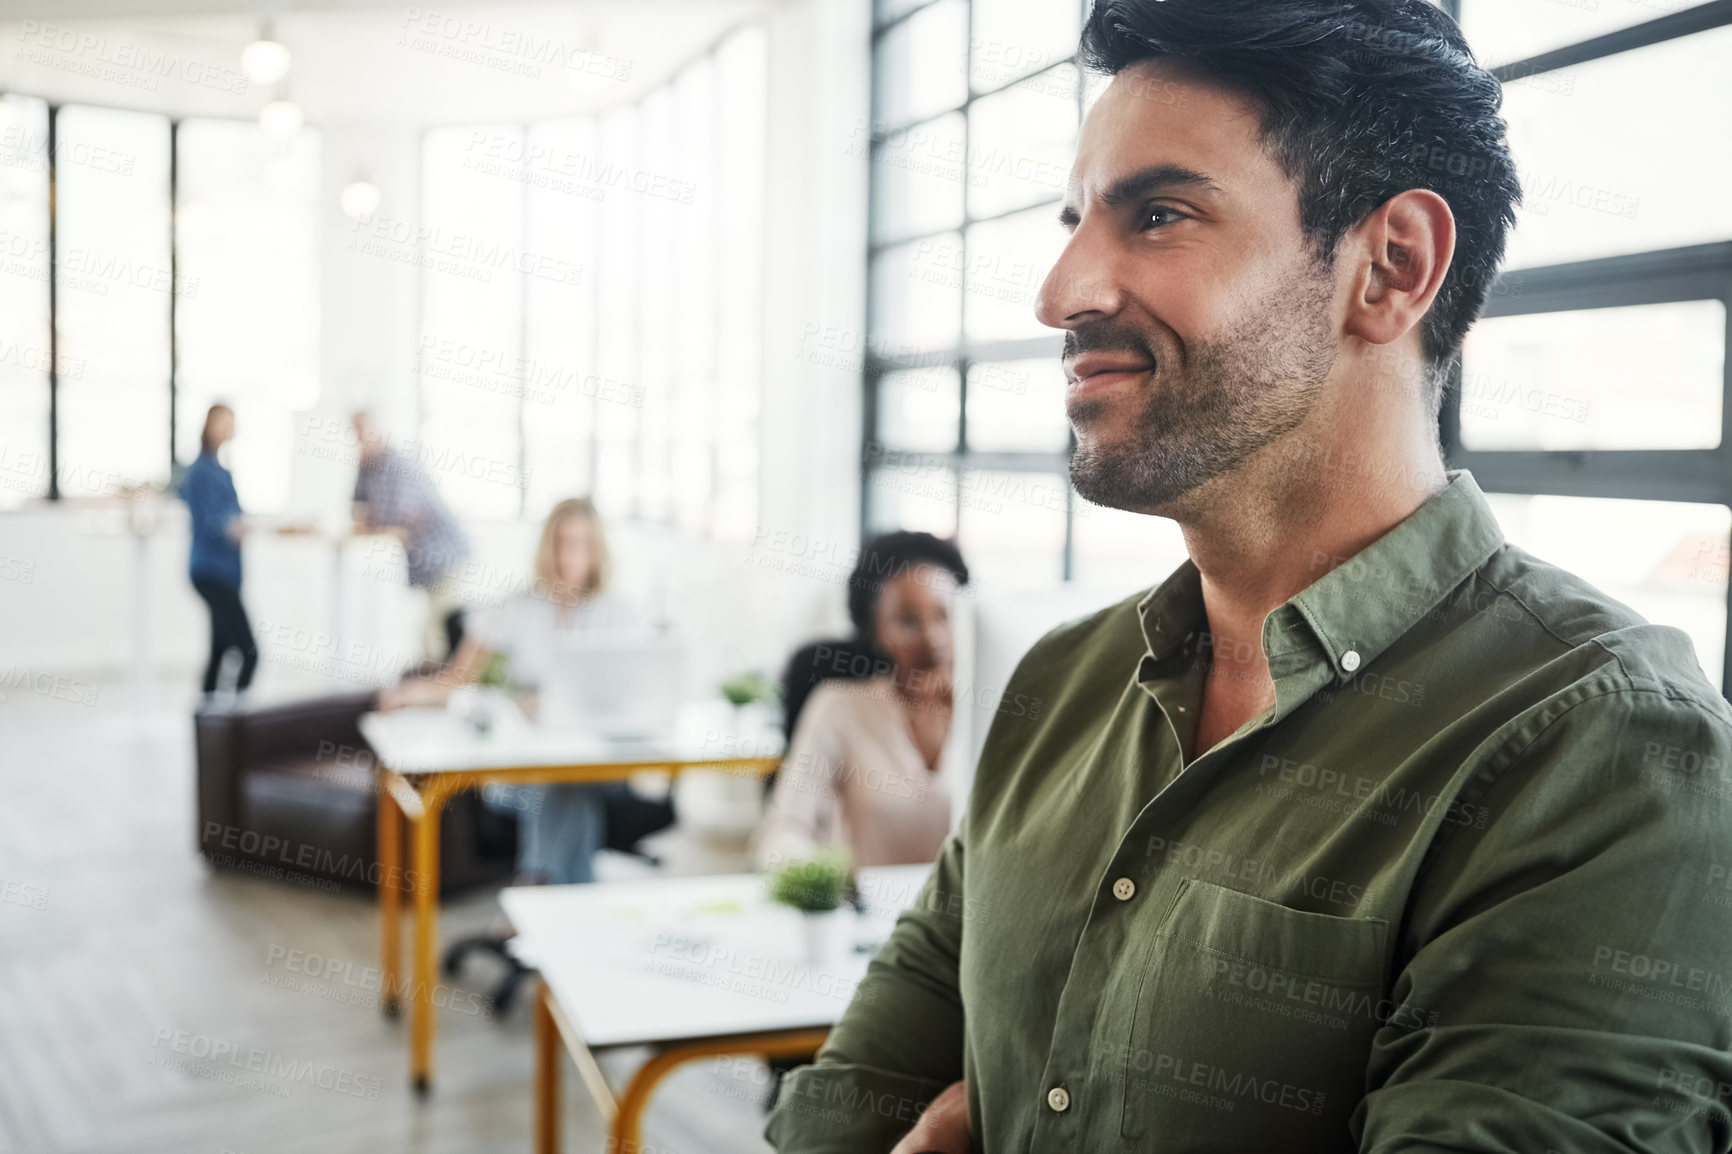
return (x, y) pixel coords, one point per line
(752, 685)
(812, 886)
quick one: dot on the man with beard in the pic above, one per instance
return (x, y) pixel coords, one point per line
(1363, 831)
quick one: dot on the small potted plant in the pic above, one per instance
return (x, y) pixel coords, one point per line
(494, 674)
(480, 704)
(744, 690)
(818, 888)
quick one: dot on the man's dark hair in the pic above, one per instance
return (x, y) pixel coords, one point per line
(887, 557)
(1361, 100)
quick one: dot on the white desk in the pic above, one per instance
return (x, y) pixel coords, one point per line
(427, 756)
(694, 967)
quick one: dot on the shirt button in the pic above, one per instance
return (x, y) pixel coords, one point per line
(1124, 889)
(1058, 1098)
(1350, 660)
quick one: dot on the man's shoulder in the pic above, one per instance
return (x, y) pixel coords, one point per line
(401, 466)
(1611, 648)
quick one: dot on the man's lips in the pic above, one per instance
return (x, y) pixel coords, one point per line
(1096, 372)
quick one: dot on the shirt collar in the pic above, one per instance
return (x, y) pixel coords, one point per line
(1172, 616)
(1351, 614)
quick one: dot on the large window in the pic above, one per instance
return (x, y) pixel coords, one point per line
(113, 280)
(24, 317)
(174, 266)
(1591, 398)
(472, 308)
(559, 327)
(975, 110)
(246, 325)
(591, 305)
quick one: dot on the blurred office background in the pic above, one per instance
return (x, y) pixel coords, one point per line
(758, 276)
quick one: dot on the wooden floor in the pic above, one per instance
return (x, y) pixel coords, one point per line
(138, 950)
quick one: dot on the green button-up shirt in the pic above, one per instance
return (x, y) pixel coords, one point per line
(1465, 886)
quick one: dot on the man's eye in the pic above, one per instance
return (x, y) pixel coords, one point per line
(1158, 215)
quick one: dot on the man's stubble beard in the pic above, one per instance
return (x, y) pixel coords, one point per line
(1236, 393)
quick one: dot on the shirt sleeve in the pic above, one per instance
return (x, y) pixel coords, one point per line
(1567, 983)
(804, 812)
(900, 1042)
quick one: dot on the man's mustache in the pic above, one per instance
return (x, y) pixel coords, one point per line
(1107, 337)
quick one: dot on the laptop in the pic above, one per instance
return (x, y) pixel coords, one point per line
(618, 683)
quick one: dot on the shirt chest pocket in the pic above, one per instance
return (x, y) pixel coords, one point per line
(1249, 1024)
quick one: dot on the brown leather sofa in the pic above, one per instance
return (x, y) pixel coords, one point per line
(289, 792)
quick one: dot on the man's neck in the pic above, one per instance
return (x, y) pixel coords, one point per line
(1296, 510)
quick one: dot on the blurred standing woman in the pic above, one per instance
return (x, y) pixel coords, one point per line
(215, 565)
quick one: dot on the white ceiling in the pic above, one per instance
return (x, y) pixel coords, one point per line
(360, 61)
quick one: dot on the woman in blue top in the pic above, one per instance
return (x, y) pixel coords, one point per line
(209, 493)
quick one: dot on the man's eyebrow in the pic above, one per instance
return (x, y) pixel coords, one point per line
(1153, 179)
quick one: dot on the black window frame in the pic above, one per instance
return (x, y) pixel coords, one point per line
(965, 353)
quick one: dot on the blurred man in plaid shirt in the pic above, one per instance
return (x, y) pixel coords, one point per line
(394, 495)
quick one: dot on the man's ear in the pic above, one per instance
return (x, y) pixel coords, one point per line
(1402, 252)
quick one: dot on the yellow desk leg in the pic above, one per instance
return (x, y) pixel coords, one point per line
(627, 1136)
(390, 897)
(422, 1018)
(547, 1048)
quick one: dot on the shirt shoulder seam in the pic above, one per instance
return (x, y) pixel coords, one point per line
(1508, 591)
(1634, 684)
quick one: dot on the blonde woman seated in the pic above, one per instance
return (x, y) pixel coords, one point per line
(560, 827)
(865, 766)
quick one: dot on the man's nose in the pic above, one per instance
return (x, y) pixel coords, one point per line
(1082, 284)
